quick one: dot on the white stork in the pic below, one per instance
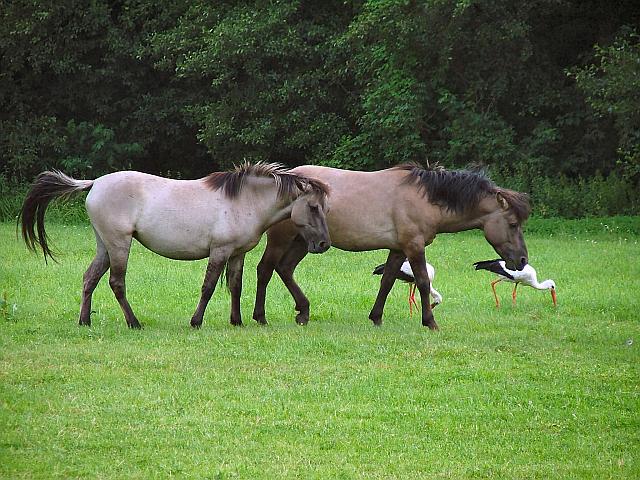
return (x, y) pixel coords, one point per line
(406, 275)
(526, 276)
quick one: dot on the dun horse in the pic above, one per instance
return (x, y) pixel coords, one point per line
(221, 216)
(400, 209)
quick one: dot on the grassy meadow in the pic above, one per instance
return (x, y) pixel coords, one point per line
(530, 391)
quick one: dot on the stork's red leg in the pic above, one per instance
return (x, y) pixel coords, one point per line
(412, 298)
(495, 295)
(410, 301)
(513, 295)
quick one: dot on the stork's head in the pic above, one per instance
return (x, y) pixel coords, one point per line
(551, 286)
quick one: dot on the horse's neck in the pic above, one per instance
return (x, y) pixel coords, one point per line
(265, 203)
(281, 211)
(451, 222)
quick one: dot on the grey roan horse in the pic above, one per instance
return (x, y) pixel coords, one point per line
(221, 216)
(400, 209)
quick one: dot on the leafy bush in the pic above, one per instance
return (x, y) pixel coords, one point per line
(611, 88)
(598, 227)
(10, 199)
(192, 87)
(566, 197)
(551, 198)
(12, 195)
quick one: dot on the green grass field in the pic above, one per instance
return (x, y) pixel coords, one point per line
(524, 392)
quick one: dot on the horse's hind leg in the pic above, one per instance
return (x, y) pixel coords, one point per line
(98, 267)
(211, 276)
(391, 268)
(285, 269)
(234, 281)
(118, 258)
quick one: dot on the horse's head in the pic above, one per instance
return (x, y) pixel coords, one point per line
(308, 215)
(502, 226)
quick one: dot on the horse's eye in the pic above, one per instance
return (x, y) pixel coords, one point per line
(314, 208)
(513, 225)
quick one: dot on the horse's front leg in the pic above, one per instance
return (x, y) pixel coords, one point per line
(214, 269)
(270, 258)
(391, 268)
(279, 239)
(235, 266)
(285, 268)
(419, 267)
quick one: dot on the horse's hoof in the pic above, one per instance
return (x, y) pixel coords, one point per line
(432, 325)
(302, 319)
(261, 319)
(135, 326)
(84, 323)
(195, 323)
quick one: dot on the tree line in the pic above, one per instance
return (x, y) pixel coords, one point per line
(544, 93)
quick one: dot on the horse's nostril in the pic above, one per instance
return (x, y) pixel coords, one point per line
(523, 261)
(324, 245)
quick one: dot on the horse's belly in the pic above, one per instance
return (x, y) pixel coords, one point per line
(178, 245)
(364, 244)
(356, 234)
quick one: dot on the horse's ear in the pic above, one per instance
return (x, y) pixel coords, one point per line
(502, 201)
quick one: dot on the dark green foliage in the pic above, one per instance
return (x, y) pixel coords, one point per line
(612, 87)
(545, 92)
(75, 96)
(612, 228)
(573, 197)
(68, 212)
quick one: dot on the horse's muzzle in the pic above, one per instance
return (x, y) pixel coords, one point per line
(523, 262)
(516, 264)
(318, 247)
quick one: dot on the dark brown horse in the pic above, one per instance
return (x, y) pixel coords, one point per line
(221, 217)
(400, 209)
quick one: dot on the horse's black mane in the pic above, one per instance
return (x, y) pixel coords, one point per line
(459, 190)
(290, 185)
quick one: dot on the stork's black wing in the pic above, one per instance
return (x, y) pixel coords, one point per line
(379, 270)
(493, 266)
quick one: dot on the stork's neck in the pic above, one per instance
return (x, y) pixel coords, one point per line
(546, 285)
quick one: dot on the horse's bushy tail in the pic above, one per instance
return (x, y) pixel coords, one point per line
(46, 187)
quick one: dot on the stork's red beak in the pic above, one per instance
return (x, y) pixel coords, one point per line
(553, 296)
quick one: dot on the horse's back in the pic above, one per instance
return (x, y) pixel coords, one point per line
(118, 196)
(170, 217)
(364, 206)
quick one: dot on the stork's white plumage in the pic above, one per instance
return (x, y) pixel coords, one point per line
(406, 275)
(526, 276)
